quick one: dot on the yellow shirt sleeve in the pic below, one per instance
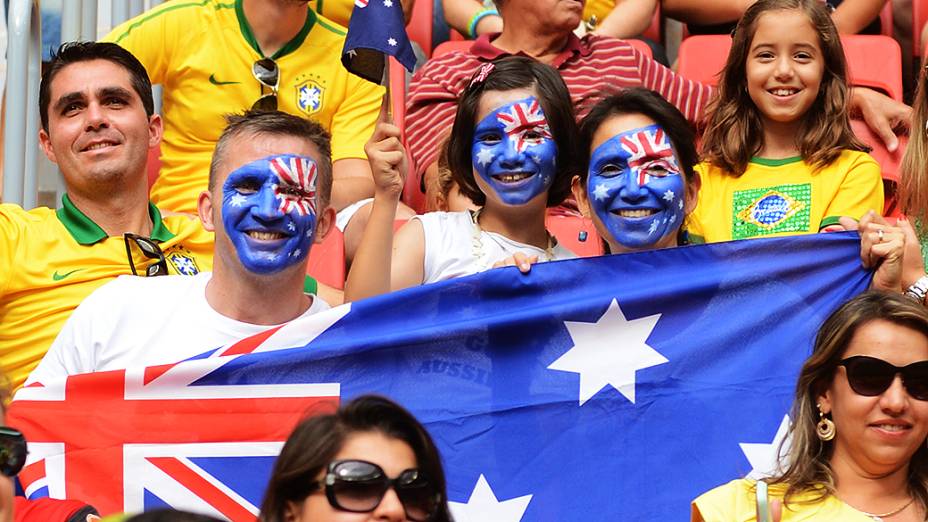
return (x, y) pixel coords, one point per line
(861, 190)
(10, 232)
(732, 502)
(151, 38)
(354, 120)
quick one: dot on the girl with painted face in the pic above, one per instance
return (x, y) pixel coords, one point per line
(511, 151)
(639, 183)
(780, 157)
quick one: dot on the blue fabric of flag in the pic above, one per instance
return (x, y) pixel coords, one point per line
(473, 358)
(376, 29)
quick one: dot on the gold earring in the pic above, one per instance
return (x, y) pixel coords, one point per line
(825, 429)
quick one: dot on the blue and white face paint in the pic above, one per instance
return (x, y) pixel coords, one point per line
(514, 153)
(636, 187)
(269, 211)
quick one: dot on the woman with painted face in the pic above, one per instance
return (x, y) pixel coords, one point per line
(511, 151)
(856, 447)
(369, 461)
(639, 182)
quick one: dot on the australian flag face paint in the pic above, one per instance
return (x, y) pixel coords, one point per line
(636, 187)
(269, 211)
(514, 152)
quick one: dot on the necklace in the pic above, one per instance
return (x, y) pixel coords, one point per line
(879, 517)
(477, 239)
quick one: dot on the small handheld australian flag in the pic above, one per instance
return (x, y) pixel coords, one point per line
(376, 29)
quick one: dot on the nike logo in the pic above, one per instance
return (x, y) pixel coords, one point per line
(214, 81)
(58, 277)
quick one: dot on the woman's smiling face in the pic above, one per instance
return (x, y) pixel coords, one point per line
(636, 190)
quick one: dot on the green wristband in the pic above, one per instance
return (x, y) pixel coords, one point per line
(479, 15)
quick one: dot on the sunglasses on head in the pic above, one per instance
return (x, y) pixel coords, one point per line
(12, 451)
(358, 486)
(149, 249)
(869, 376)
(268, 75)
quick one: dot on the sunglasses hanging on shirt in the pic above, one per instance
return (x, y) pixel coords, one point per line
(268, 75)
(149, 249)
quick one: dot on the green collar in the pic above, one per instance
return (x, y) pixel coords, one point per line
(289, 47)
(86, 232)
(767, 162)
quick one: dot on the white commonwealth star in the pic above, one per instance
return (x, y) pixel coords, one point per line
(600, 192)
(653, 227)
(388, 3)
(484, 156)
(609, 352)
(391, 41)
(763, 457)
(237, 200)
(482, 506)
(668, 196)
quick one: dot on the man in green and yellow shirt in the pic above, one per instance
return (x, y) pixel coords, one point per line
(98, 124)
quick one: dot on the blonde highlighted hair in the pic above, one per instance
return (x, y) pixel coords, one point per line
(808, 468)
(734, 132)
(913, 182)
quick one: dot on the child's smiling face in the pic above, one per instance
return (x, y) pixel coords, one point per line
(784, 67)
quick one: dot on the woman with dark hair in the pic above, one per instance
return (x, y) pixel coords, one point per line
(370, 460)
(859, 422)
(638, 183)
(512, 151)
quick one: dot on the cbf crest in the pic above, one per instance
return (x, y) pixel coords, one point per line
(309, 96)
(182, 260)
(771, 210)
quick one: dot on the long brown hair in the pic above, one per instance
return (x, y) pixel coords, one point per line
(808, 468)
(734, 133)
(913, 182)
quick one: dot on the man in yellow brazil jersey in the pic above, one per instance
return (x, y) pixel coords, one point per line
(98, 124)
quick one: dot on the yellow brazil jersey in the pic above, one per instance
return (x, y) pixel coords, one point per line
(737, 502)
(339, 11)
(783, 197)
(202, 53)
(50, 260)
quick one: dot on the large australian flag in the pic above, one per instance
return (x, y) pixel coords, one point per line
(609, 388)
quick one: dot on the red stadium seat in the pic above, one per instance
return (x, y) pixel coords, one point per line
(886, 18)
(655, 31)
(567, 230)
(327, 260)
(702, 57)
(419, 27)
(889, 164)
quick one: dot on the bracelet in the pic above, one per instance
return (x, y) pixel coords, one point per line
(919, 289)
(479, 15)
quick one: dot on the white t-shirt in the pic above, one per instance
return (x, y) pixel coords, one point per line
(144, 321)
(450, 250)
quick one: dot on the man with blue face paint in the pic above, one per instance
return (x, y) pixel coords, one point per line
(514, 152)
(636, 188)
(270, 180)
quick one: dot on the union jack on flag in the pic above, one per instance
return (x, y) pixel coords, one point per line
(165, 436)
(298, 173)
(522, 118)
(645, 146)
(361, 3)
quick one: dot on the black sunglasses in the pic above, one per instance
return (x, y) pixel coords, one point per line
(12, 451)
(358, 486)
(149, 249)
(268, 75)
(869, 376)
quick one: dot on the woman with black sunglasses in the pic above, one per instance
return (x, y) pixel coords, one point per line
(370, 460)
(857, 449)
